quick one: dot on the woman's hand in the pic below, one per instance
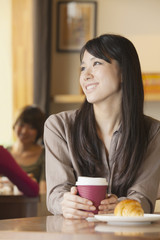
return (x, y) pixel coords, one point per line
(74, 206)
(108, 205)
(32, 176)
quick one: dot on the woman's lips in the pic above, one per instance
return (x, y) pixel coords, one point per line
(91, 86)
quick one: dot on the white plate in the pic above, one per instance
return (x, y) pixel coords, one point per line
(116, 220)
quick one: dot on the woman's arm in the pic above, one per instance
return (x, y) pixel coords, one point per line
(14, 172)
(42, 180)
(60, 172)
(42, 187)
(145, 187)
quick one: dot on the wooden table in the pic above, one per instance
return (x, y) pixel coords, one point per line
(59, 228)
(17, 206)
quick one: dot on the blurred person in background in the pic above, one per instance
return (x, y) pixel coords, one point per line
(10, 169)
(28, 150)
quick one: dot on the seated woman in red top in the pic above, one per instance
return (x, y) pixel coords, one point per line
(10, 169)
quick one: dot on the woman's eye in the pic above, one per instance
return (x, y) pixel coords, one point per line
(82, 69)
(97, 63)
(20, 124)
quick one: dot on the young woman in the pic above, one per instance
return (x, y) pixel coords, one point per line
(109, 136)
(26, 150)
(10, 169)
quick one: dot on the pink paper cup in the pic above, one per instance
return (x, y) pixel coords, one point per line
(96, 193)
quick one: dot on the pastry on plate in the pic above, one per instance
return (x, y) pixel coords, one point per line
(128, 208)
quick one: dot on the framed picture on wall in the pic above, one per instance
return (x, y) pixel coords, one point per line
(151, 84)
(76, 24)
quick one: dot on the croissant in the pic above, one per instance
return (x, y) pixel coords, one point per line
(128, 208)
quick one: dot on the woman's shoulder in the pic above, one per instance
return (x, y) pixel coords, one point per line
(65, 115)
(42, 155)
(61, 119)
(59, 125)
(3, 151)
(153, 125)
(9, 148)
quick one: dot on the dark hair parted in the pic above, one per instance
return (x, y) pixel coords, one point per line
(133, 141)
(33, 116)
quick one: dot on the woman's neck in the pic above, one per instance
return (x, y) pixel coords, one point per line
(19, 147)
(108, 118)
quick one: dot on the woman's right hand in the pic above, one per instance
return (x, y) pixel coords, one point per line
(32, 176)
(76, 207)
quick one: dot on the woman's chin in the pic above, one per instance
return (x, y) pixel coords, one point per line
(90, 99)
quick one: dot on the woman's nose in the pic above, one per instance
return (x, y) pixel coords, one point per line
(88, 75)
(24, 129)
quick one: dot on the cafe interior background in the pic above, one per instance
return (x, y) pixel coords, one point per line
(138, 20)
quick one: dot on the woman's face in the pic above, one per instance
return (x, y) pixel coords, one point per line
(99, 79)
(25, 133)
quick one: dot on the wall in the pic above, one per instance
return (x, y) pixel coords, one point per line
(5, 72)
(138, 20)
(64, 70)
(16, 49)
(22, 53)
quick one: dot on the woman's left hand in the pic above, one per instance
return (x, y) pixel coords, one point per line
(108, 205)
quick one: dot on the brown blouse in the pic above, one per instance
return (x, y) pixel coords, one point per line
(62, 168)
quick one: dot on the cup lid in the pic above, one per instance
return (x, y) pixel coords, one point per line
(82, 180)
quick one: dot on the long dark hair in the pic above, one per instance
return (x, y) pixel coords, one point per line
(133, 141)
